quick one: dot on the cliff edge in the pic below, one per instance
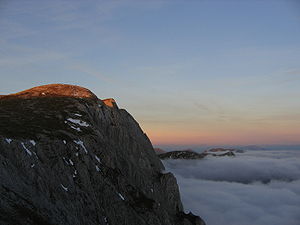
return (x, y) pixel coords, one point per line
(69, 158)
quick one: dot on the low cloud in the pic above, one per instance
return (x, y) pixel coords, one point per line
(253, 188)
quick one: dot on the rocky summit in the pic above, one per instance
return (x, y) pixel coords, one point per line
(69, 158)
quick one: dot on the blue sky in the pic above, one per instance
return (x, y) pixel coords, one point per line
(201, 72)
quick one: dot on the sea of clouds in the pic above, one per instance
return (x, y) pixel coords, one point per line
(253, 188)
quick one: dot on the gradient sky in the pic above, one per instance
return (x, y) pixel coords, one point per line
(190, 72)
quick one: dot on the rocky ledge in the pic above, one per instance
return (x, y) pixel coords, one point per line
(69, 158)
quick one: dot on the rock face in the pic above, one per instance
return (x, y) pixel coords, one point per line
(68, 158)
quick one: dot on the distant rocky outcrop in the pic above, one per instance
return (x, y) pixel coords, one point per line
(222, 151)
(69, 158)
(190, 154)
(182, 155)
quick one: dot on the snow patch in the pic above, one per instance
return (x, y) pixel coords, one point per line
(78, 122)
(64, 141)
(75, 128)
(26, 149)
(68, 161)
(32, 142)
(32, 165)
(76, 114)
(105, 220)
(75, 173)
(121, 196)
(8, 140)
(97, 168)
(65, 188)
(71, 162)
(35, 155)
(81, 144)
(97, 158)
(65, 160)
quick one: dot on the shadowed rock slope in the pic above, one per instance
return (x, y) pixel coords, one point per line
(69, 158)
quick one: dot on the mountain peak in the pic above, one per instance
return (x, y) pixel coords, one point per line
(110, 102)
(54, 90)
(76, 160)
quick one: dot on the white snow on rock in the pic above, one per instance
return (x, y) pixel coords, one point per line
(82, 145)
(26, 149)
(68, 161)
(32, 165)
(76, 114)
(78, 122)
(71, 162)
(64, 141)
(32, 142)
(105, 220)
(97, 168)
(75, 173)
(8, 140)
(75, 128)
(121, 196)
(35, 155)
(65, 160)
(65, 188)
(97, 158)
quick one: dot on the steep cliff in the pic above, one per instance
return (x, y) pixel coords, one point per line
(69, 158)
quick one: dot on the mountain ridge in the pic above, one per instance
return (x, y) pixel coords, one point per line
(69, 158)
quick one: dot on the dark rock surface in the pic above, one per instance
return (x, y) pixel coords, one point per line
(68, 158)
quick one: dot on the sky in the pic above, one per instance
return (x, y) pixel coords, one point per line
(190, 72)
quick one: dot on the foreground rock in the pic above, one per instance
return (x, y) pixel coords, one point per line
(68, 158)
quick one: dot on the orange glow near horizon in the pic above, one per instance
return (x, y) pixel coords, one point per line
(231, 135)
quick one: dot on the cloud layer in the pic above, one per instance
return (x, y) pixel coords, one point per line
(253, 188)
